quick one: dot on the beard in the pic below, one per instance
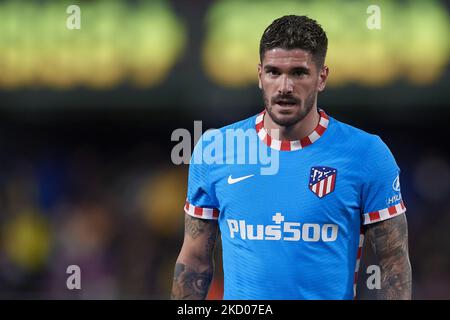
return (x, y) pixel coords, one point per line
(298, 114)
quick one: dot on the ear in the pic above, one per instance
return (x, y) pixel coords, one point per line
(323, 76)
(259, 75)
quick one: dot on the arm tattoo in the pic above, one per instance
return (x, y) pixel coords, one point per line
(389, 240)
(194, 226)
(189, 283)
(192, 281)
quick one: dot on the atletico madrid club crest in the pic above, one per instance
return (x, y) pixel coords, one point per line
(322, 180)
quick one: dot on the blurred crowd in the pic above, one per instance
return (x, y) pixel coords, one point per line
(119, 220)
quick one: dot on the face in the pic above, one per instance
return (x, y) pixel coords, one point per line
(290, 81)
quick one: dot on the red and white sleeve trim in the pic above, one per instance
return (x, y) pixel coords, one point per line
(358, 260)
(384, 214)
(198, 212)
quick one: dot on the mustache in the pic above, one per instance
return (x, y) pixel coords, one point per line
(283, 98)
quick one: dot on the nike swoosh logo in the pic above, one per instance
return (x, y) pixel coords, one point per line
(235, 180)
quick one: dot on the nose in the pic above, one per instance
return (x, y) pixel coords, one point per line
(286, 85)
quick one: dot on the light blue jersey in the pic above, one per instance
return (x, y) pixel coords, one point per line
(292, 232)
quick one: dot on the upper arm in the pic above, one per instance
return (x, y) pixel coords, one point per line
(199, 239)
(381, 197)
(384, 220)
(382, 205)
(389, 239)
(201, 210)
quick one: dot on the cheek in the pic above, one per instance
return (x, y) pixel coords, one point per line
(266, 84)
(305, 88)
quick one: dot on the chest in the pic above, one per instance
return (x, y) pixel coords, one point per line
(309, 187)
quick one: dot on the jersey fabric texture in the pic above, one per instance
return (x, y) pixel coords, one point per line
(295, 232)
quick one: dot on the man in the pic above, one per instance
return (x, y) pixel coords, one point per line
(298, 233)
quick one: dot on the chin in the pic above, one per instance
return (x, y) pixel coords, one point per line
(285, 116)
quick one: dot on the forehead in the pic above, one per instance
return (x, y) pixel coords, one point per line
(287, 58)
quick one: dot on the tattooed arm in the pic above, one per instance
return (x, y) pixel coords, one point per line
(194, 267)
(389, 240)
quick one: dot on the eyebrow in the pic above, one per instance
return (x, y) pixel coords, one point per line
(274, 68)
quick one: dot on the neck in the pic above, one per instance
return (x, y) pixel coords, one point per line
(297, 131)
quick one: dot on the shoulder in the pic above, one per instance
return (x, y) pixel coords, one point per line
(349, 132)
(213, 145)
(219, 136)
(364, 141)
(363, 149)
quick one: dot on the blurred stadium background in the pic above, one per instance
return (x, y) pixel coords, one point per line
(86, 118)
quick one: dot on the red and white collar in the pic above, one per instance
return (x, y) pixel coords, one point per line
(291, 145)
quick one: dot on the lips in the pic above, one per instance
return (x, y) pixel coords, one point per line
(286, 103)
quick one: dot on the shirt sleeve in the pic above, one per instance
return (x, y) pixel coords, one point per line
(381, 196)
(201, 201)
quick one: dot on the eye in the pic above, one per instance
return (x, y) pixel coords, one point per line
(299, 73)
(272, 72)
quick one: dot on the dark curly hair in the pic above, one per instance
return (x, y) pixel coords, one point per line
(295, 32)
